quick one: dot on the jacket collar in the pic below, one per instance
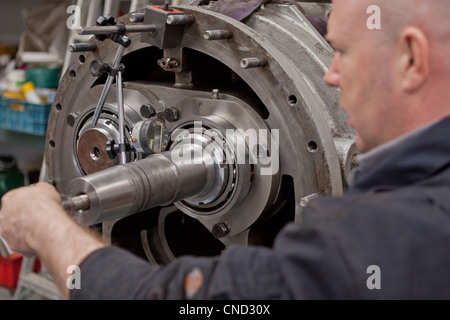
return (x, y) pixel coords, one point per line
(411, 159)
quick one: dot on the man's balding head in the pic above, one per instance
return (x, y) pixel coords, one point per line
(430, 15)
(394, 79)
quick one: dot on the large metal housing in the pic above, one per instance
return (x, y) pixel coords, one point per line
(268, 75)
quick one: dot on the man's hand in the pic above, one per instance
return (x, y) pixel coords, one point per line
(24, 213)
(34, 223)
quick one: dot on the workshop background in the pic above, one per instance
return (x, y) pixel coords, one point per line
(34, 41)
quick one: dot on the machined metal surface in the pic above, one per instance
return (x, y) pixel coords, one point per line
(248, 97)
(127, 189)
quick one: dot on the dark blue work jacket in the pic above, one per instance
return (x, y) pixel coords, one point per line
(387, 238)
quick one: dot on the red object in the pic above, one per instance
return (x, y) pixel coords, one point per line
(10, 270)
(161, 9)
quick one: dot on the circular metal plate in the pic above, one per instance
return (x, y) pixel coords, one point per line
(92, 151)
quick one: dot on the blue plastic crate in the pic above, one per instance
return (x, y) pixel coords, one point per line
(23, 116)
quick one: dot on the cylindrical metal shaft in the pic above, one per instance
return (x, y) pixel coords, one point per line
(135, 187)
(120, 104)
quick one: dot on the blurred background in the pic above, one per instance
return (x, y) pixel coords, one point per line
(34, 39)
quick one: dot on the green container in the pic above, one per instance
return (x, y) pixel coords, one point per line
(44, 77)
(10, 175)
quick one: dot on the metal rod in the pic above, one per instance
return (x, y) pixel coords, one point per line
(123, 155)
(108, 85)
(103, 30)
(82, 47)
(73, 204)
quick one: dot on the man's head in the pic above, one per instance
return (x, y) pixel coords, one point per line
(394, 79)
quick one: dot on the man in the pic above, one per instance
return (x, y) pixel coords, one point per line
(388, 238)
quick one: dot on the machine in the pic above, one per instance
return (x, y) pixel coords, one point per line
(183, 130)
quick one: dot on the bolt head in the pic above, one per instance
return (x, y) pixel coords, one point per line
(71, 118)
(172, 114)
(220, 230)
(147, 111)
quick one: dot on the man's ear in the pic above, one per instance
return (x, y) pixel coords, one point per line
(414, 58)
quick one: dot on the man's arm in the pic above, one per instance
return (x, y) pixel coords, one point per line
(40, 227)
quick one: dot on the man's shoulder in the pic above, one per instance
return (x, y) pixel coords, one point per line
(404, 232)
(390, 205)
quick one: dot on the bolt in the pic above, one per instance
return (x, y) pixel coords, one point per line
(220, 230)
(304, 202)
(253, 63)
(180, 20)
(71, 118)
(147, 111)
(137, 17)
(217, 35)
(172, 114)
(215, 94)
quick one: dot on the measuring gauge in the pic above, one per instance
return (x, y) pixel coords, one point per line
(150, 136)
